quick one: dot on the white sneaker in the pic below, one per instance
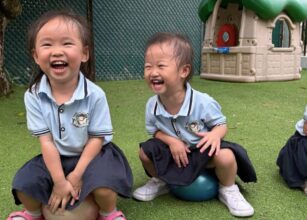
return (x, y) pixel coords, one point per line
(235, 201)
(153, 188)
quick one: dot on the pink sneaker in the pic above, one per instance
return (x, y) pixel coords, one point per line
(117, 214)
(24, 215)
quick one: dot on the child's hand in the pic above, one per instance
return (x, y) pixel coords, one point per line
(209, 139)
(179, 152)
(61, 193)
(76, 182)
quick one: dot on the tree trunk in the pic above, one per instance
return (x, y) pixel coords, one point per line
(5, 86)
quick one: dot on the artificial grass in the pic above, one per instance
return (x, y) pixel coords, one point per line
(261, 117)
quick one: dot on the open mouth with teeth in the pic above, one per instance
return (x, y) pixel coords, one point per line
(157, 81)
(59, 64)
(157, 84)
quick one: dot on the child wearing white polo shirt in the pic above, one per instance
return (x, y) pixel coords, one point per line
(187, 128)
(292, 158)
(70, 116)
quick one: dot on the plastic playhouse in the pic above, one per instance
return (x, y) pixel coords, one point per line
(252, 40)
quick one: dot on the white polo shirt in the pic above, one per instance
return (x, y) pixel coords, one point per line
(85, 114)
(199, 113)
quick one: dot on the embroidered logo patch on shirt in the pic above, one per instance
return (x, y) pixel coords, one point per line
(80, 119)
(194, 126)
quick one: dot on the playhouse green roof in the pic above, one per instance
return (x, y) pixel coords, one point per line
(265, 9)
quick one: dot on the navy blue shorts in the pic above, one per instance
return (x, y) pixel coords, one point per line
(167, 170)
(108, 169)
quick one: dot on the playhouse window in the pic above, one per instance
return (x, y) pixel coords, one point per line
(281, 34)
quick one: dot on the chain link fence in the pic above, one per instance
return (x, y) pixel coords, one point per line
(121, 28)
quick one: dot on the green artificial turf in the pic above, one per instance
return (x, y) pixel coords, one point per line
(261, 117)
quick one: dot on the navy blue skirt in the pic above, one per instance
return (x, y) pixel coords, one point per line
(108, 169)
(292, 161)
(167, 170)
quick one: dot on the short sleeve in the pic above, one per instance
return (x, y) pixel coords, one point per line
(100, 124)
(35, 119)
(212, 114)
(150, 118)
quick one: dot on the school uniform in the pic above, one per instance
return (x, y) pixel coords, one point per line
(71, 124)
(292, 158)
(199, 113)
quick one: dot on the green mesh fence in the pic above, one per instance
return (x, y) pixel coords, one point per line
(121, 28)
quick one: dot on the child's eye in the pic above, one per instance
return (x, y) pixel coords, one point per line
(162, 65)
(68, 43)
(46, 45)
(147, 67)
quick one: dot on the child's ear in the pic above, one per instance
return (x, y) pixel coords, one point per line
(185, 70)
(34, 55)
(85, 54)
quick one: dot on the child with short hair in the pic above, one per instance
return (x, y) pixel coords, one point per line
(188, 128)
(70, 116)
(292, 158)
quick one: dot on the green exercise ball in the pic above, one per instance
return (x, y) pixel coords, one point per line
(204, 187)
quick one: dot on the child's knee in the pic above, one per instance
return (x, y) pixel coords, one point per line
(225, 158)
(143, 156)
(104, 192)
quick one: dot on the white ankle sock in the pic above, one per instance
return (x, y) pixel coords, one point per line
(18, 218)
(105, 214)
(226, 187)
(34, 214)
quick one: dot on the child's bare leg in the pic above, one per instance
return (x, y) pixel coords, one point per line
(154, 187)
(28, 202)
(105, 199)
(147, 163)
(225, 167)
(226, 170)
(32, 208)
